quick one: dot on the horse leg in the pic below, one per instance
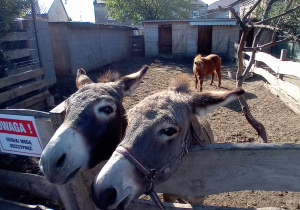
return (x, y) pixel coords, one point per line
(201, 83)
(212, 78)
(196, 81)
(219, 76)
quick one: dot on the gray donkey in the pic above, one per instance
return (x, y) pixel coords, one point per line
(160, 130)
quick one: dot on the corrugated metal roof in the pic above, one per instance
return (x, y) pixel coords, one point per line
(225, 22)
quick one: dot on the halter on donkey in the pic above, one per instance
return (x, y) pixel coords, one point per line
(159, 132)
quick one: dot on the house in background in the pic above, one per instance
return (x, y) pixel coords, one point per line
(101, 15)
(52, 11)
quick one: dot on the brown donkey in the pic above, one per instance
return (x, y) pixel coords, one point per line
(205, 66)
(93, 126)
(160, 130)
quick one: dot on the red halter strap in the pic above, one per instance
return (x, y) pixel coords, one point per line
(151, 174)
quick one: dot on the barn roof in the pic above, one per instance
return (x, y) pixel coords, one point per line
(199, 22)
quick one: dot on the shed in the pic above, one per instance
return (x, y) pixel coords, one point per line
(189, 37)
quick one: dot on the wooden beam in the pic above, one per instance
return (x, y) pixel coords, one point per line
(219, 168)
(289, 88)
(7, 205)
(32, 183)
(8, 95)
(278, 66)
(144, 204)
(29, 102)
(10, 80)
(45, 130)
(57, 115)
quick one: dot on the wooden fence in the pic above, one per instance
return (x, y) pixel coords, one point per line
(25, 90)
(223, 168)
(274, 73)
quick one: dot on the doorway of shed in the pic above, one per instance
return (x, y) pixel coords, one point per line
(204, 40)
(165, 39)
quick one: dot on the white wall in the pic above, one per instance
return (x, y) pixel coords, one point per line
(87, 45)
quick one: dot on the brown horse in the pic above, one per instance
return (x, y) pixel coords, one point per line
(94, 124)
(160, 130)
(205, 66)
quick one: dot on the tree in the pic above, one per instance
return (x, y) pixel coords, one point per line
(139, 10)
(271, 18)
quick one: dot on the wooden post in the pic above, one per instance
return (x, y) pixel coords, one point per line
(74, 195)
(282, 58)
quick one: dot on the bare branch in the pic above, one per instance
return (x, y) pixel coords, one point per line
(242, 77)
(280, 15)
(291, 36)
(280, 19)
(260, 129)
(251, 10)
(273, 43)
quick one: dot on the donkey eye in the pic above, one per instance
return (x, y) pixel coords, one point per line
(168, 131)
(106, 109)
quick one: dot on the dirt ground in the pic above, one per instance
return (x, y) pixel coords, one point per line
(228, 123)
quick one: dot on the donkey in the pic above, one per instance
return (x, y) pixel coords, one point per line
(94, 124)
(160, 129)
(205, 66)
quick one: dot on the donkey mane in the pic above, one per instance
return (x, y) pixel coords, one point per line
(108, 76)
(181, 83)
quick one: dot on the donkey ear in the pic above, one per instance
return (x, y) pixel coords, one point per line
(130, 82)
(206, 102)
(82, 79)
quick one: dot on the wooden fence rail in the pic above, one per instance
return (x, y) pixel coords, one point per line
(25, 83)
(277, 65)
(213, 169)
(289, 93)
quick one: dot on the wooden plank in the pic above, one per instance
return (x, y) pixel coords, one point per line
(6, 81)
(32, 183)
(286, 99)
(45, 130)
(219, 168)
(8, 95)
(290, 68)
(75, 195)
(10, 205)
(289, 88)
(29, 102)
(144, 204)
(280, 67)
(57, 115)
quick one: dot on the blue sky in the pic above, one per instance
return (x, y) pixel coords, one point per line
(83, 11)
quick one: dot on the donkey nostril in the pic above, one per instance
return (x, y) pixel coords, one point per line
(61, 160)
(111, 195)
(103, 198)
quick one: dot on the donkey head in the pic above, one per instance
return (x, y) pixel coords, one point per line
(93, 126)
(160, 128)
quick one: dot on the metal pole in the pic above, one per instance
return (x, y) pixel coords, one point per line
(32, 2)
